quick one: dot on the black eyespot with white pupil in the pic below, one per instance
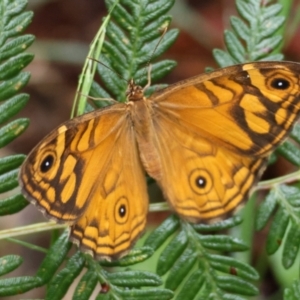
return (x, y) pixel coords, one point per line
(122, 211)
(200, 182)
(47, 163)
(280, 84)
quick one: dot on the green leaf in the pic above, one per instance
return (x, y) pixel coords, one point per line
(14, 65)
(290, 152)
(292, 195)
(232, 266)
(222, 243)
(277, 230)
(217, 226)
(12, 106)
(16, 25)
(192, 286)
(12, 204)
(293, 292)
(135, 256)
(11, 162)
(54, 257)
(14, 8)
(236, 285)
(295, 133)
(60, 284)
(234, 46)
(240, 28)
(162, 233)
(9, 262)
(271, 10)
(222, 58)
(134, 279)
(181, 268)
(15, 46)
(158, 70)
(267, 45)
(266, 208)
(171, 253)
(271, 25)
(8, 181)
(8, 88)
(86, 285)
(12, 130)
(18, 285)
(274, 57)
(149, 294)
(291, 246)
(245, 9)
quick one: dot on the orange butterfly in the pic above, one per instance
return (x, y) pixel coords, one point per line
(205, 141)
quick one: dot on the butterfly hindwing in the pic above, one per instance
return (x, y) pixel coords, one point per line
(202, 181)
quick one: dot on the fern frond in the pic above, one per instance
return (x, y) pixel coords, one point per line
(14, 20)
(52, 261)
(130, 44)
(255, 35)
(192, 270)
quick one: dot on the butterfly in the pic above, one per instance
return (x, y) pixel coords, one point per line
(205, 141)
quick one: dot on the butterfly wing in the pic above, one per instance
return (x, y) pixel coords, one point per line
(201, 180)
(247, 108)
(213, 134)
(87, 173)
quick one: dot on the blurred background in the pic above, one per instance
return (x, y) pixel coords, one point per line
(63, 33)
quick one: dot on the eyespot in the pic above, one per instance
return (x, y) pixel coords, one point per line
(201, 181)
(280, 84)
(122, 210)
(47, 163)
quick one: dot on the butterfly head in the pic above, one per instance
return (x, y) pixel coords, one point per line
(134, 92)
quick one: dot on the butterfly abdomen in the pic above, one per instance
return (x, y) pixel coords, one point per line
(144, 132)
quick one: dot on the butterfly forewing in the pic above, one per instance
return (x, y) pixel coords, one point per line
(247, 108)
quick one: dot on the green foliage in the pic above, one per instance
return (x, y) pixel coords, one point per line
(192, 270)
(293, 293)
(254, 36)
(52, 261)
(141, 29)
(193, 260)
(14, 21)
(285, 199)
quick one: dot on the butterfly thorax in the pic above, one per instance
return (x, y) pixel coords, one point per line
(142, 120)
(134, 92)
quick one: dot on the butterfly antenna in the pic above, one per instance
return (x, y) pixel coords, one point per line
(98, 99)
(114, 71)
(148, 64)
(164, 30)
